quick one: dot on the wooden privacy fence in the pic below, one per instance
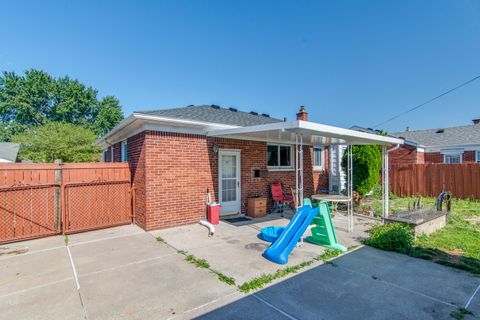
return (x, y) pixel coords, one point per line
(462, 180)
(45, 199)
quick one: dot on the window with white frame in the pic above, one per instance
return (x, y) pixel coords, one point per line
(452, 158)
(477, 156)
(279, 156)
(318, 158)
(124, 151)
(105, 155)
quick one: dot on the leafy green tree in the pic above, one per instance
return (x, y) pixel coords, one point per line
(367, 163)
(109, 112)
(58, 140)
(37, 98)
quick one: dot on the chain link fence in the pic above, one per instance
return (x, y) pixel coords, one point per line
(29, 212)
(97, 205)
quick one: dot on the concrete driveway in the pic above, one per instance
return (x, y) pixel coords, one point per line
(124, 273)
(364, 284)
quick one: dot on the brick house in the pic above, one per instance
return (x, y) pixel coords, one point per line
(451, 145)
(178, 155)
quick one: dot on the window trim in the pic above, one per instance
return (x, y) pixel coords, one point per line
(123, 151)
(279, 167)
(112, 152)
(322, 157)
(450, 155)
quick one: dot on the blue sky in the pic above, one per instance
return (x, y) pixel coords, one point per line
(348, 62)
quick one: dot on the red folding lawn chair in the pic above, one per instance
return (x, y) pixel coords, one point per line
(280, 200)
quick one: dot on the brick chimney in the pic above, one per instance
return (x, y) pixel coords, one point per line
(476, 122)
(302, 114)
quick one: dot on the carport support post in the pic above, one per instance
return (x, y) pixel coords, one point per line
(385, 189)
(299, 169)
(350, 188)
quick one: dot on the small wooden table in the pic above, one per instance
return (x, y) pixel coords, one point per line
(333, 198)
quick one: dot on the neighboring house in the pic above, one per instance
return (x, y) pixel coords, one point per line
(9, 152)
(442, 145)
(179, 155)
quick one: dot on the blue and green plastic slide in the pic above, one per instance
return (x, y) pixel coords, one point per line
(285, 239)
(323, 233)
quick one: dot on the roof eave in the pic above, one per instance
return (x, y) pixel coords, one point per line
(157, 119)
(319, 129)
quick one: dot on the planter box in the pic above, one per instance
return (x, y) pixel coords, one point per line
(422, 222)
(257, 207)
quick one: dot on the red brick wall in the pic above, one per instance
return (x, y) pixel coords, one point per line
(178, 169)
(136, 158)
(469, 156)
(437, 157)
(433, 157)
(405, 155)
(117, 152)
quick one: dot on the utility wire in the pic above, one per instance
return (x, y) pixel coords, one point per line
(426, 102)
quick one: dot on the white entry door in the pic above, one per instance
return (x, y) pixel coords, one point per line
(229, 181)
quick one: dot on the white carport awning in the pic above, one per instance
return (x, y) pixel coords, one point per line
(312, 133)
(303, 133)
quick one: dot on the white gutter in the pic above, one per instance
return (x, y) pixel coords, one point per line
(170, 121)
(394, 148)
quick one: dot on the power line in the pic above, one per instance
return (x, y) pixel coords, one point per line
(426, 102)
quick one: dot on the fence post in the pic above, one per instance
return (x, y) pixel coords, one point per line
(57, 194)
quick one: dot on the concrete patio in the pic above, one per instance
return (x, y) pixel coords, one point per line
(125, 273)
(236, 250)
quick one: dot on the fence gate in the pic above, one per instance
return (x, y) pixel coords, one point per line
(29, 212)
(38, 200)
(96, 205)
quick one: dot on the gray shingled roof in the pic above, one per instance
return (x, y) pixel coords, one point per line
(450, 136)
(9, 151)
(214, 114)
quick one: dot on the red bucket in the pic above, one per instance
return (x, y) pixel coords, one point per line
(213, 213)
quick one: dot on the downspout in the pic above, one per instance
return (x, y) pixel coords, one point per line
(394, 148)
(211, 228)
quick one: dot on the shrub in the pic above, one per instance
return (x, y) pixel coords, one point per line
(391, 237)
(367, 163)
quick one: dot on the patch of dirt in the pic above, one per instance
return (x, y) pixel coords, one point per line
(454, 255)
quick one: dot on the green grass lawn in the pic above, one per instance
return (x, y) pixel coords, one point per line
(457, 243)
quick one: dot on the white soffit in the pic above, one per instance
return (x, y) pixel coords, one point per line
(313, 134)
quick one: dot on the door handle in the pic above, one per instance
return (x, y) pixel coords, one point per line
(238, 183)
